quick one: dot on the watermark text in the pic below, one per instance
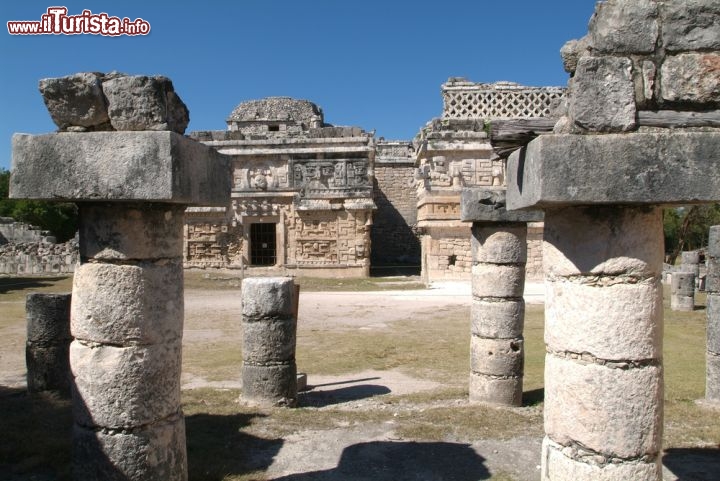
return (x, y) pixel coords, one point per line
(56, 21)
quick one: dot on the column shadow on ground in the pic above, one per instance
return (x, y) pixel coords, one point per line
(533, 397)
(693, 464)
(312, 398)
(398, 461)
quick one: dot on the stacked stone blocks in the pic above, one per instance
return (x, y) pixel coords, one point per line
(48, 342)
(269, 319)
(712, 386)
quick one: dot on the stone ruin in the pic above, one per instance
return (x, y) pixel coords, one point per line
(26, 249)
(639, 130)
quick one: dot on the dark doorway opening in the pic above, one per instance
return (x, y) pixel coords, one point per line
(262, 245)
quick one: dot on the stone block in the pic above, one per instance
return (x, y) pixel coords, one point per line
(713, 248)
(48, 368)
(265, 297)
(603, 240)
(489, 205)
(496, 357)
(76, 101)
(624, 27)
(712, 379)
(690, 25)
(48, 318)
(499, 243)
(131, 232)
(269, 341)
(128, 304)
(156, 451)
(558, 466)
(691, 77)
(682, 303)
(637, 168)
(125, 387)
(690, 257)
(615, 412)
(497, 318)
(571, 51)
(713, 323)
(618, 322)
(683, 284)
(118, 166)
(602, 96)
(139, 102)
(494, 280)
(492, 390)
(271, 385)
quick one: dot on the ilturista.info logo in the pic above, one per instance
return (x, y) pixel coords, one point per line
(56, 21)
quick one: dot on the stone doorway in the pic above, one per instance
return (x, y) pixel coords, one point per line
(262, 245)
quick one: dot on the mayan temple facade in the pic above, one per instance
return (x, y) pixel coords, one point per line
(302, 194)
(463, 149)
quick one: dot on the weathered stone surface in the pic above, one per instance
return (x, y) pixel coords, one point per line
(571, 52)
(619, 322)
(267, 297)
(560, 467)
(713, 247)
(272, 385)
(112, 166)
(713, 326)
(488, 205)
(125, 387)
(492, 390)
(682, 303)
(690, 257)
(603, 240)
(48, 368)
(615, 412)
(602, 96)
(76, 101)
(277, 108)
(499, 243)
(269, 341)
(682, 291)
(128, 304)
(131, 232)
(624, 26)
(48, 318)
(139, 102)
(496, 357)
(493, 280)
(638, 168)
(156, 451)
(691, 77)
(690, 25)
(497, 318)
(712, 379)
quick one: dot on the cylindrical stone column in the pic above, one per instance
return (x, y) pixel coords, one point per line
(269, 320)
(603, 335)
(690, 262)
(127, 321)
(498, 312)
(682, 291)
(48, 342)
(712, 379)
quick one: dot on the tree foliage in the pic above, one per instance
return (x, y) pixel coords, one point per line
(61, 219)
(686, 228)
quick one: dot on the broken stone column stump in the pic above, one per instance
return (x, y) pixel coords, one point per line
(269, 319)
(712, 379)
(127, 310)
(682, 291)
(48, 342)
(499, 249)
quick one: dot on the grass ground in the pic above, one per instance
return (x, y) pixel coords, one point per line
(222, 434)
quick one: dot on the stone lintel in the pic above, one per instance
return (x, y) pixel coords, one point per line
(482, 204)
(633, 168)
(118, 166)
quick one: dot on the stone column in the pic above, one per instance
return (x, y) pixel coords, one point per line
(690, 262)
(499, 248)
(603, 332)
(712, 385)
(48, 342)
(127, 309)
(498, 313)
(682, 291)
(269, 316)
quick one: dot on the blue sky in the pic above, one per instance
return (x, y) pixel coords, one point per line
(373, 64)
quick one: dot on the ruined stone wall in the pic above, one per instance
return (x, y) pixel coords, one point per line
(447, 254)
(394, 235)
(534, 266)
(20, 232)
(39, 258)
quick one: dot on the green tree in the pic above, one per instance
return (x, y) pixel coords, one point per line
(60, 219)
(686, 228)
